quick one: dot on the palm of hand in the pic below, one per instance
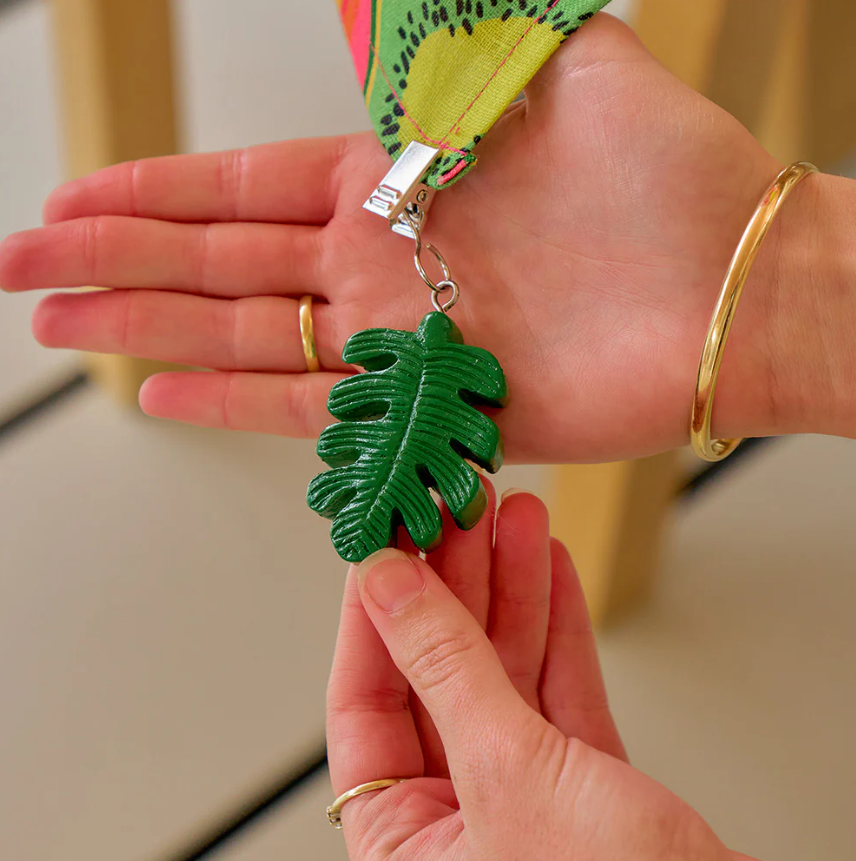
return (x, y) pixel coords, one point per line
(589, 245)
(584, 261)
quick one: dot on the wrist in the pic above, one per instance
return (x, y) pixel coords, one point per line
(790, 365)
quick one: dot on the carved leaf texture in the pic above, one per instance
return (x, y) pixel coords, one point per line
(408, 425)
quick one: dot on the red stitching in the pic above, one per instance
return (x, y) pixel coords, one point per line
(453, 172)
(498, 68)
(438, 144)
(445, 144)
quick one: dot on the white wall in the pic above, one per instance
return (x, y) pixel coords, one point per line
(262, 70)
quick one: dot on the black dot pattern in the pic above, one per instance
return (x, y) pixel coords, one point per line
(457, 16)
(460, 18)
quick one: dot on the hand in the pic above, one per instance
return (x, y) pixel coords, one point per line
(590, 245)
(518, 716)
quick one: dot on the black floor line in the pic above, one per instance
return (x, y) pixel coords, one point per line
(42, 404)
(254, 809)
(716, 471)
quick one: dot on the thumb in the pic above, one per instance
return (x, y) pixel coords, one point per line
(446, 657)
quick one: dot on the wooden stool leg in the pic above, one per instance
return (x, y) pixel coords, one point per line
(612, 517)
(831, 105)
(683, 36)
(782, 124)
(116, 91)
(784, 68)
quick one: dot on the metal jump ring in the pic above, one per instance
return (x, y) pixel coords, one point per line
(415, 225)
(443, 287)
(447, 272)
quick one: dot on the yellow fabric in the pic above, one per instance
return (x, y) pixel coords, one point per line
(442, 72)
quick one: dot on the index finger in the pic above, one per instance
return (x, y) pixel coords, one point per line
(287, 182)
(371, 734)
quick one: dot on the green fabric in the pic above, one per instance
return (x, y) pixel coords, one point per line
(442, 72)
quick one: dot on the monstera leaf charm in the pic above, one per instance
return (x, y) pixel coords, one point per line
(408, 425)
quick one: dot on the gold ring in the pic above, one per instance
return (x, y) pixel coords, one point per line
(307, 335)
(334, 811)
(732, 289)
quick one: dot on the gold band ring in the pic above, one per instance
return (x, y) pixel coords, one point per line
(732, 289)
(307, 335)
(334, 811)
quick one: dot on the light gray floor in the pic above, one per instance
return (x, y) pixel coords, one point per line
(168, 606)
(736, 686)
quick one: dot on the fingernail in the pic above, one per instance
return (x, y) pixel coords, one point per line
(512, 491)
(391, 579)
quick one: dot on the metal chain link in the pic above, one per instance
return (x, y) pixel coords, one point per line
(439, 288)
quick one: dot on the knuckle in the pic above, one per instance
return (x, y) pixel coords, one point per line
(230, 414)
(233, 332)
(595, 703)
(374, 823)
(583, 629)
(134, 169)
(93, 234)
(231, 173)
(364, 830)
(573, 768)
(443, 659)
(298, 397)
(338, 167)
(520, 600)
(346, 699)
(199, 254)
(126, 321)
(330, 335)
(311, 245)
(526, 683)
(539, 746)
(551, 752)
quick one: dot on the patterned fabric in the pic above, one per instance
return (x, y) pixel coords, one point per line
(442, 72)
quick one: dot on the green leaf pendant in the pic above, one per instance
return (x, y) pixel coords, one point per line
(407, 426)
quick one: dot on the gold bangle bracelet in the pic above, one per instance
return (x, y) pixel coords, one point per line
(732, 289)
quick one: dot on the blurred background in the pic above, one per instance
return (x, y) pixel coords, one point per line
(168, 605)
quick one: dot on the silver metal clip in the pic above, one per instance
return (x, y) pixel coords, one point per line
(403, 190)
